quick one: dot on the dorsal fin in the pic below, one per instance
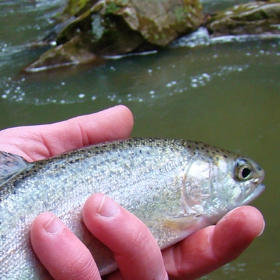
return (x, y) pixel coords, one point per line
(10, 165)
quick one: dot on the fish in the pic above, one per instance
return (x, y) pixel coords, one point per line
(174, 186)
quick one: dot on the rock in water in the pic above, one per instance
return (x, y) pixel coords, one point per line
(114, 27)
(257, 17)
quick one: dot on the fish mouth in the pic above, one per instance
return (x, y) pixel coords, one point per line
(257, 191)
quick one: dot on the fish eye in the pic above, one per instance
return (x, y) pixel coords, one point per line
(243, 172)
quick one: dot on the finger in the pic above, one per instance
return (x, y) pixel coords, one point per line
(135, 249)
(214, 246)
(60, 251)
(43, 141)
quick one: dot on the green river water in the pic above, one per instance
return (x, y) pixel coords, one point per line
(222, 93)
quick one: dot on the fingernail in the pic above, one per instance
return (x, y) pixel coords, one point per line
(54, 225)
(262, 229)
(107, 207)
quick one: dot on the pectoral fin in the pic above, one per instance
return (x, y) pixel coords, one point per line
(10, 165)
(180, 223)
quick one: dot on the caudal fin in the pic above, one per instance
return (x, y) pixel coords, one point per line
(10, 165)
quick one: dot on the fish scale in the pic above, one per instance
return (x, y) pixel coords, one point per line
(174, 186)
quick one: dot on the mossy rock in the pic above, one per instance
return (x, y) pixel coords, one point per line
(114, 27)
(257, 17)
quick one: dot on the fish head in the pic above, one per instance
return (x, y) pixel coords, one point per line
(248, 177)
(215, 183)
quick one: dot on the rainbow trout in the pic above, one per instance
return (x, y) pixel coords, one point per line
(175, 187)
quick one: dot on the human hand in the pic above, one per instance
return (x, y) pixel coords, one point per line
(136, 251)
(44, 141)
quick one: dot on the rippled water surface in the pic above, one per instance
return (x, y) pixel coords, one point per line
(223, 93)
